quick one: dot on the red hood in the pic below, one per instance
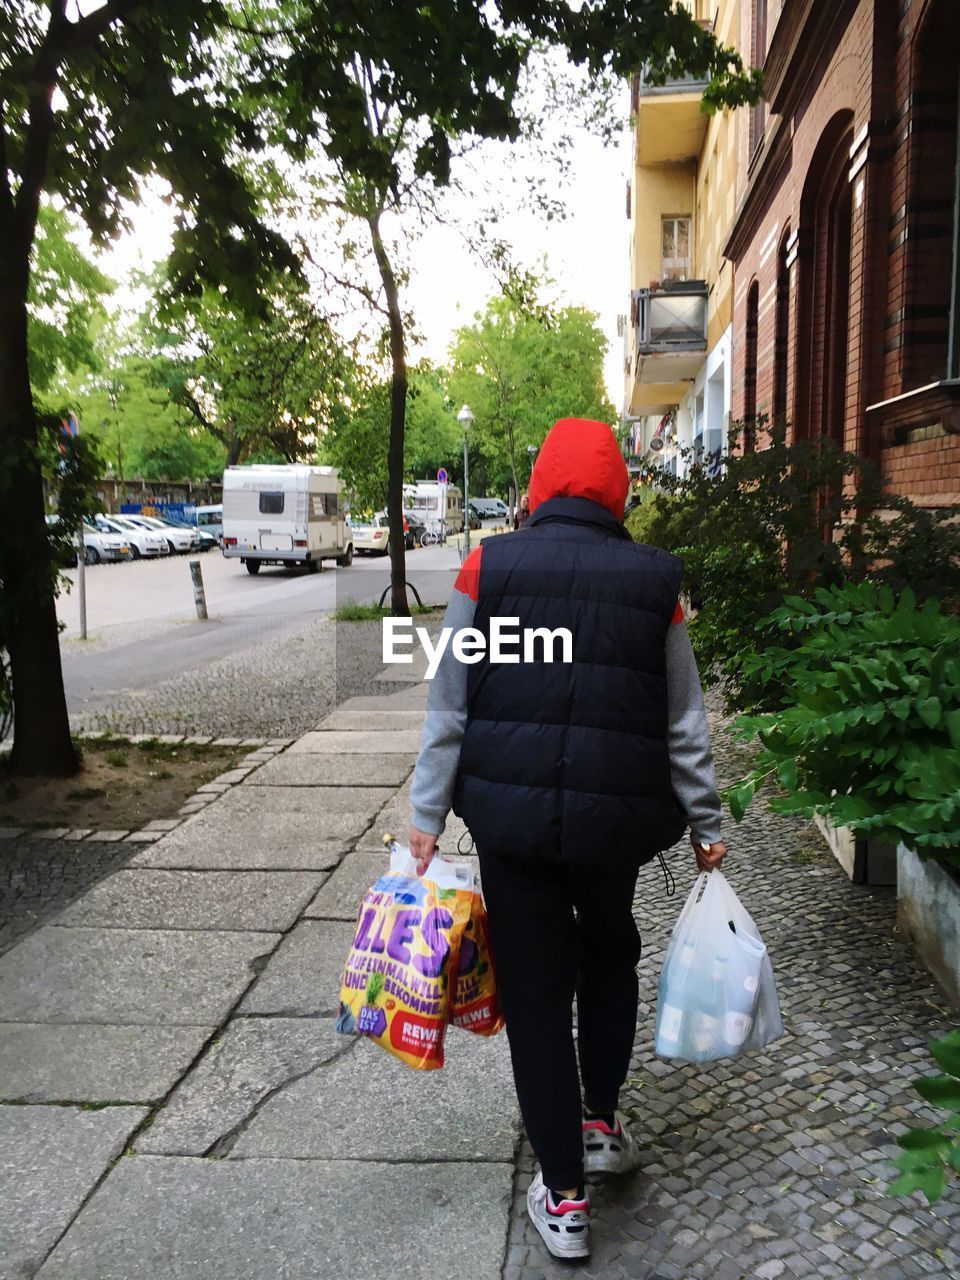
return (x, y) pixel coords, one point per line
(581, 459)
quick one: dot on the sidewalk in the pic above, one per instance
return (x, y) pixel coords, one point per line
(186, 1109)
(194, 1112)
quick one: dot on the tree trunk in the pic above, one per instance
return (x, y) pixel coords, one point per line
(512, 451)
(42, 742)
(399, 605)
(234, 449)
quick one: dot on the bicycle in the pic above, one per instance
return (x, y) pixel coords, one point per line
(434, 536)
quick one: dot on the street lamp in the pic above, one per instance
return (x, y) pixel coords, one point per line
(465, 418)
(532, 452)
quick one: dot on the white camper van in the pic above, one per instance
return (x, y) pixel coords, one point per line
(435, 502)
(284, 515)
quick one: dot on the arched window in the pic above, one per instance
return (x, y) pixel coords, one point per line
(750, 369)
(781, 332)
(823, 327)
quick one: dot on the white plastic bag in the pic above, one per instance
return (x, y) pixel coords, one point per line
(717, 995)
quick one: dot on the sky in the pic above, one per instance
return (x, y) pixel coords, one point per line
(586, 253)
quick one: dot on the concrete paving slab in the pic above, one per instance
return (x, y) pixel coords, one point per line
(302, 979)
(43, 1062)
(270, 828)
(365, 742)
(370, 1106)
(120, 976)
(177, 1218)
(340, 897)
(50, 1158)
(254, 1057)
(383, 721)
(333, 771)
(155, 899)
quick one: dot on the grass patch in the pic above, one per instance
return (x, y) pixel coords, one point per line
(120, 785)
(353, 611)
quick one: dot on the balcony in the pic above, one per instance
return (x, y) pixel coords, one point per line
(669, 123)
(671, 331)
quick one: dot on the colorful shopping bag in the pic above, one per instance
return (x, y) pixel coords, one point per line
(476, 1001)
(400, 973)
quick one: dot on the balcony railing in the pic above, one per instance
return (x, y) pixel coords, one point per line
(682, 84)
(673, 318)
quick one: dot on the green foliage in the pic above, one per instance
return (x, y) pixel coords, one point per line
(520, 368)
(781, 521)
(265, 388)
(357, 441)
(66, 297)
(354, 611)
(868, 733)
(931, 1154)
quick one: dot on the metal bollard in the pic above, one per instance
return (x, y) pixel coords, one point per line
(199, 598)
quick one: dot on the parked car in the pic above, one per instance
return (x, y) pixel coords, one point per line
(143, 542)
(210, 519)
(490, 508)
(207, 540)
(371, 537)
(180, 540)
(97, 545)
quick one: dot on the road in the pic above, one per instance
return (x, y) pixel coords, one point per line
(264, 632)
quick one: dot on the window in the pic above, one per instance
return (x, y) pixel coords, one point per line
(781, 346)
(271, 504)
(750, 369)
(757, 119)
(331, 504)
(675, 248)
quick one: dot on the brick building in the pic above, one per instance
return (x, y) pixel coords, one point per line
(846, 239)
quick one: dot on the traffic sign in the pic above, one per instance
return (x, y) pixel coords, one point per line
(442, 475)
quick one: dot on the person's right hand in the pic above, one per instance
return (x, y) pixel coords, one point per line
(709, 856)
(423, 845)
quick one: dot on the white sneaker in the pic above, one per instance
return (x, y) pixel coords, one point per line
(564, 1227)
(608, 1151)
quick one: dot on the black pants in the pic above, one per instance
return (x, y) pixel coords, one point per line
(558, 931)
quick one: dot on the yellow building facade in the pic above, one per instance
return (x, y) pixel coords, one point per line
(682, 199)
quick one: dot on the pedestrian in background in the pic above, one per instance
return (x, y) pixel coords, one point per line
(570, 776)
(523, 512)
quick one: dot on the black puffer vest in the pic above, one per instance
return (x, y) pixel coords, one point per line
(569, 761)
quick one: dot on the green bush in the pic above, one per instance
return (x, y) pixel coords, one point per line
(929, 1154)
(868, 733)
(783, 521)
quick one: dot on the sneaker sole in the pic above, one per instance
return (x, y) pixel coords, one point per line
(556, 1245)
(604, 1165)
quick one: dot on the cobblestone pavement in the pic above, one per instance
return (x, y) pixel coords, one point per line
(38, 878)
(280, 687)
(775, 1165)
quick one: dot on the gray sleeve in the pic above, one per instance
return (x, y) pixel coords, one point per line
(439, 759)
(691, 758)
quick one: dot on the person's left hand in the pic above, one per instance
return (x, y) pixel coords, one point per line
(710, 856)
(423, 845)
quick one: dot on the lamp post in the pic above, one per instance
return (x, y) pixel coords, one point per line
(465, 418)
(532, 452)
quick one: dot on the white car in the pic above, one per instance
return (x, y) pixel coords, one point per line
(371, 537)
(97, 544)
(179, 540)
(143, 542)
